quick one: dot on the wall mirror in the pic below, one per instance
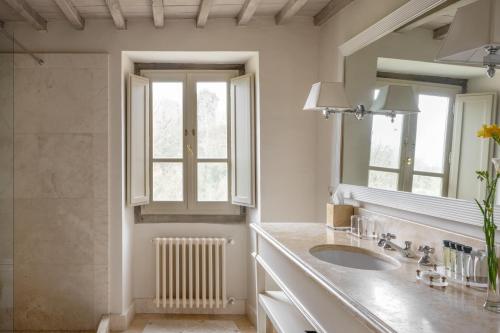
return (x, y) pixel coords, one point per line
(436, 151)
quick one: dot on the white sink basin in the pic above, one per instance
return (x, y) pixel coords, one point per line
(354, 257)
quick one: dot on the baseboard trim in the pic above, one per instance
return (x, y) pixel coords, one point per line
(147, 305)
(103, 325)
(121, 322)
(251, 314)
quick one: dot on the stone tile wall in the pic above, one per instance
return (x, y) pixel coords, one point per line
(60, 192)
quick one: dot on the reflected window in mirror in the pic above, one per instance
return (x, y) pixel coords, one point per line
(409, 153)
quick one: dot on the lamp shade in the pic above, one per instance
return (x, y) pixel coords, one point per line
(395, 99)
(327, 95)
(475, 27)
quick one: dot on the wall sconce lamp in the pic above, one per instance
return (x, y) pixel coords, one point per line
(330, 98)
(474, 36)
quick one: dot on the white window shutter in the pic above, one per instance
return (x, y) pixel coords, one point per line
(243, 141)
(138, 140)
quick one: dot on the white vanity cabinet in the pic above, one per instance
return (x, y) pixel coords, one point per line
(312, 304)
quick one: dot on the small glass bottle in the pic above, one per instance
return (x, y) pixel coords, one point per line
(446, 254)
(453, 256)
(481, 267)
(459, 263)
(468, 264)
(355, 225)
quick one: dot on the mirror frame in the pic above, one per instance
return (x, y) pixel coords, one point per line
(449, 209)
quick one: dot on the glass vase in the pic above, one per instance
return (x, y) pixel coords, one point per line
(493, 297)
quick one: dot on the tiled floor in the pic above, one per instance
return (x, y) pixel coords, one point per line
(141, 320)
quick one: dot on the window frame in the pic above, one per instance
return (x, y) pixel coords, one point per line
(409, 135)
(190, 205)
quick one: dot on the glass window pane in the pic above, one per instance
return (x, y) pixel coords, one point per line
(167, 119)
(427, 185)
(385, 149)
(383, 180)
(168, 181)
(212, 182)
(431, 133)
(212, 119)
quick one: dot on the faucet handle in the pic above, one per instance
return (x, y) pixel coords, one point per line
(426, 259)
(426, 249)
(388, 236)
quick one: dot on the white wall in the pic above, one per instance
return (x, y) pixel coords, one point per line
(127, 242)
(288, 57)
(253, 214)
(144, 267)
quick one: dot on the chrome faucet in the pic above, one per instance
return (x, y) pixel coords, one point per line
(405, 251)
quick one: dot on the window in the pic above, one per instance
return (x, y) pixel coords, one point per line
(190, 147)
(402, 154)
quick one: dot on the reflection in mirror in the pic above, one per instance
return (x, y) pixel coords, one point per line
(436, 151)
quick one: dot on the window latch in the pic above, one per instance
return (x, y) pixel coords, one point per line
(190, 149)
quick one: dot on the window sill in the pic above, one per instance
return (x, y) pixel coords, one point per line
(185, 218)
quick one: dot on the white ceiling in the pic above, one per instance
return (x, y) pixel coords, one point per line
(174, 9)
(428, 68)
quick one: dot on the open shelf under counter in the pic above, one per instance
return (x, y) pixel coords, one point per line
(285, 317)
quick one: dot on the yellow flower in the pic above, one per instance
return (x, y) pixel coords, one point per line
(490, 131)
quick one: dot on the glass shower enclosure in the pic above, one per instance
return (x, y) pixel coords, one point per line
(6, 181)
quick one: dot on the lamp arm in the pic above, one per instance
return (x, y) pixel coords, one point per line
(329, 111)
(359, 112)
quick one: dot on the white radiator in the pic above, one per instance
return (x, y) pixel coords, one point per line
(191, 272)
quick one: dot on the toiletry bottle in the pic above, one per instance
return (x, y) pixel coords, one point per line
(459, 263)
(453, 256)
(446, 254)
(468, 264)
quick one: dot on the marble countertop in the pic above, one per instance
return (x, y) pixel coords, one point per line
(392, 297)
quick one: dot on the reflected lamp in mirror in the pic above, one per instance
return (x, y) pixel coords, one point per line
(395, 99)
(330, 97)
(474, 36)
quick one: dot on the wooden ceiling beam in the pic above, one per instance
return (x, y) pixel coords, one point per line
(116, 13)
(28, 13)
(72, 15)
(158, 13)
(332, 8)
(204, 11)
(289, 10)
(247, 11)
